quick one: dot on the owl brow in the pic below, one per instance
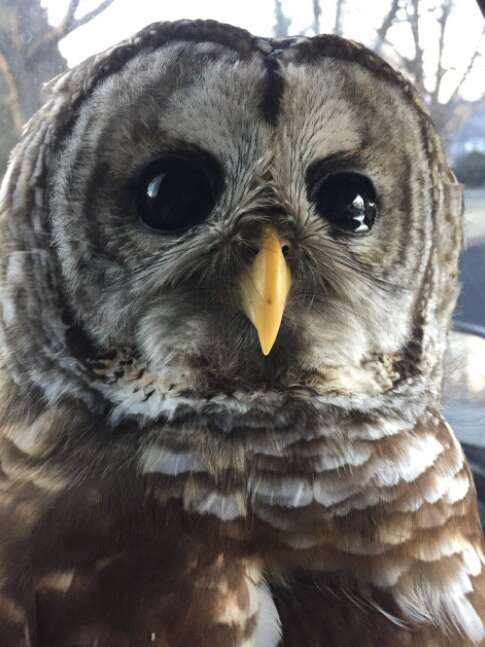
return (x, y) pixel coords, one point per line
(341, 160)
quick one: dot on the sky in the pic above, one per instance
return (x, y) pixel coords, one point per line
(125, 17)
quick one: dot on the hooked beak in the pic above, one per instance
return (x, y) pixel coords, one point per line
(264, 289)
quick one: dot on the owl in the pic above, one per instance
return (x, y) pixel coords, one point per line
(227, 270)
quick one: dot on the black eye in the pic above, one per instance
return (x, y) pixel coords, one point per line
(348, 201)
(176, 193)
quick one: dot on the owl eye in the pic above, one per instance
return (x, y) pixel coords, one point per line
(348, 201)
(175, 193)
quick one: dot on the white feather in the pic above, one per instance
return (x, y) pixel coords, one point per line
(268, 626)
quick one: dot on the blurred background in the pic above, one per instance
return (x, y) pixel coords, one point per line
(438, 44)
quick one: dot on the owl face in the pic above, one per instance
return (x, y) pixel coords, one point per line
(235, 219)
(179, 165)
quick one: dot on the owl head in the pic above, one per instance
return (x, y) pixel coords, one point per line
(202, 220)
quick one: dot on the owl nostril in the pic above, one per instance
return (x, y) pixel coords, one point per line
(252, 250)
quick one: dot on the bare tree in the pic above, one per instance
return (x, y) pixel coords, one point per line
(29, 56)
(29, 53)
(448, 115)
(429, 82)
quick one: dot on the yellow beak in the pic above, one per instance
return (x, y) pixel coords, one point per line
(264, 288)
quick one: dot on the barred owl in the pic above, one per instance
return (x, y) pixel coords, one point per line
(227, 270)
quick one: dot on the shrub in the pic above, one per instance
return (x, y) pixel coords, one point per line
(470, 169)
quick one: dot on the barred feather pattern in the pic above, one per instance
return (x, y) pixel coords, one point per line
(376, 510)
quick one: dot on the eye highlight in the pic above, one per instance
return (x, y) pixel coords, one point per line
(347, 200)
(177, 192)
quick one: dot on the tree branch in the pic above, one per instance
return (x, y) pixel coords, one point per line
(473, 59)
(412, 9)
(446, 9)
(389, 19)
(317, 12)
(283, 23)
(12, 102)
(67, 26)
(75, 24)
(338, 28)
(407, 63)
(66, 23)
